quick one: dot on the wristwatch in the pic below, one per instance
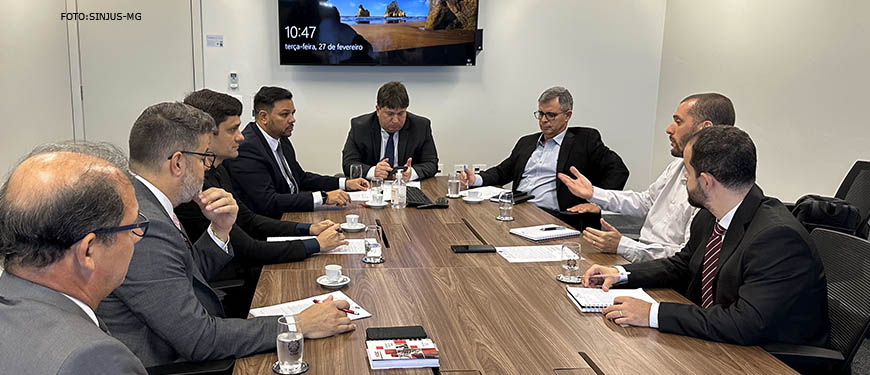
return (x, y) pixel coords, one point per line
(323, 197)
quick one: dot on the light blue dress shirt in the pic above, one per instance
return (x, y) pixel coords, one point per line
(539, 176)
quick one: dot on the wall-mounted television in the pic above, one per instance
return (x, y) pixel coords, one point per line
(377, 32)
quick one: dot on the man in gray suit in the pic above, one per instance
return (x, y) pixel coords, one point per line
(68, 222)
(165, 310)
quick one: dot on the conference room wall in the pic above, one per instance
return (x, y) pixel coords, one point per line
(797, 73)
(606, 53)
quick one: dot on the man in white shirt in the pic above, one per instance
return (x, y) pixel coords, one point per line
(665, 203)
(68, 221)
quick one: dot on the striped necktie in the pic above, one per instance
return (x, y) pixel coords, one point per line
(711, 260)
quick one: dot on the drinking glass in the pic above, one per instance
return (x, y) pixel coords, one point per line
(373, 242)
(453, 185)
(356, 171)
(505, 206)
(377, 190)
(570, 263)
(290, 344)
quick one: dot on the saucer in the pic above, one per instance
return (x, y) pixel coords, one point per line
(454, 195)
(324, 282)
(566, 280)
(376, 206)
(358, 228)
(472, 200)
(276, 368)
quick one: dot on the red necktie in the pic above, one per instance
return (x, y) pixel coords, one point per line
(711, 258)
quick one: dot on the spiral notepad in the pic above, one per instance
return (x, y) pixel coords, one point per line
(595, 300)
(544, 232)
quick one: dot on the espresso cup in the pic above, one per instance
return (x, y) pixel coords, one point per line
(352, 220)
(333, 272)
(473, 194)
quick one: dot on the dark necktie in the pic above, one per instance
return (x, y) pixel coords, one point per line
(711, 260)
(282, 163)
(103, 326)
(389, 151)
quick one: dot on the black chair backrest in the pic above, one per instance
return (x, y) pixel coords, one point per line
(847, 267)
(855, 189)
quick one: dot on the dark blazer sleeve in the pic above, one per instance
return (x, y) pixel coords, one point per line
(505, 171)
(259, 252)
(606, 167)
(424, 154)
(358, 147)
(774, 280)
(251, 174)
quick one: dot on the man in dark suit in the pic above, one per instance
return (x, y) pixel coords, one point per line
(266, 175)
(391, 136)
(165, 310)
(250, 230)
(537, 158)
(749, 267)
(68, 221)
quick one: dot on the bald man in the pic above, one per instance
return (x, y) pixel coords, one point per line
(68, 223)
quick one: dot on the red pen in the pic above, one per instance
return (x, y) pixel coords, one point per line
(349, 311)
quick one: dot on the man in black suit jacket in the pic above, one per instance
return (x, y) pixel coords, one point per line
(555, 149)
(250, 230)
(749, 267)
(266, 176)
(389, 137)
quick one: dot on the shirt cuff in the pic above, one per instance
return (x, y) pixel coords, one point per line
(654, 315)
(318, 200)
(623, 276)
(478, 181)
(370, 174)
(414, 176)
(221, 244)
(303, 229)
(341, 181)
(311, 246)
(624, 244)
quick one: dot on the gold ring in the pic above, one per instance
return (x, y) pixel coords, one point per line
(620, 314)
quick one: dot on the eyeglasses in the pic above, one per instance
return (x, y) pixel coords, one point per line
(139, 228)
(550, 115)
(208, 158)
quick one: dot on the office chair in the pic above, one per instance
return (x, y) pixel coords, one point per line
(855, 189)
(846, 260)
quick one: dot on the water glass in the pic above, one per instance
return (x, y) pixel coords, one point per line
(374, 245)
(290, 344)
(377, 190)
(570, 263)
(356, 171)
(453, 185)
(505, 206)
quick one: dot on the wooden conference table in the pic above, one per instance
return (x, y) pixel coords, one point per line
(486, 315)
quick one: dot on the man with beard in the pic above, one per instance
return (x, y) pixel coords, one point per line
(164, 310)
(664, 206)
(749, 268)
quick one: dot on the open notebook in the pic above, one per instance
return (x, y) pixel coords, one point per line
(595, 300)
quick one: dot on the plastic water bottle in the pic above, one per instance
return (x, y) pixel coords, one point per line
(400, 192)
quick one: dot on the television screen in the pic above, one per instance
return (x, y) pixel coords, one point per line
(367, 32)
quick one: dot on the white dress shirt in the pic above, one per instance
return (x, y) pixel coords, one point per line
(654, 309)
(273, 145)
(668, 214)
(167, 206)
(84, 307)
(385, 137)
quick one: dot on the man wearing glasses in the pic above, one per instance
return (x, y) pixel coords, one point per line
(68, 221)
(165, 310)
(537, 158)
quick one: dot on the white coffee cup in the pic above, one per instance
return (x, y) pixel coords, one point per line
(333, 272)
(473, 195)
(352, 220)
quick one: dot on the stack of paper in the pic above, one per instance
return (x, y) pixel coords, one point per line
(296, 307)
(354, 245)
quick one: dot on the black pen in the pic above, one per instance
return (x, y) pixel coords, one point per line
(551, 228)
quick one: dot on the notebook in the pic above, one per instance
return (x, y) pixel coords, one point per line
(595, 300)
(544, 232)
